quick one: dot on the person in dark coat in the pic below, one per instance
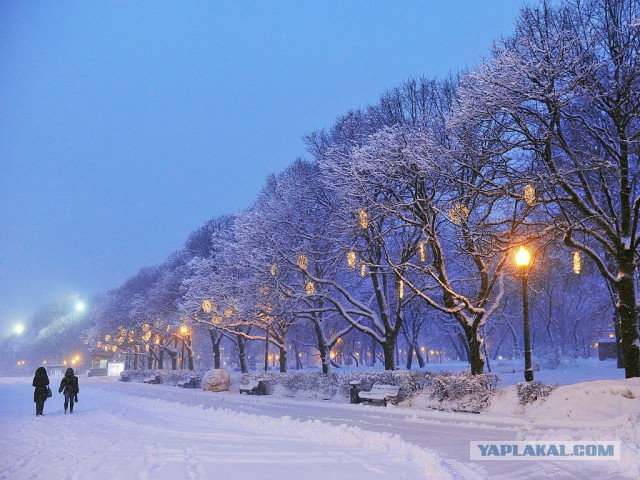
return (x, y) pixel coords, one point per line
(69, 386)
(41, 382)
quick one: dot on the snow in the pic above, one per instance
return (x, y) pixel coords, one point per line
(134, 430)
(115, 435)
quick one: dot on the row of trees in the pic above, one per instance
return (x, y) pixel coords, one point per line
(409, 212)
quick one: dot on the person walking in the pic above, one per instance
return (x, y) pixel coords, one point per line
(69, 386)
(41, 382)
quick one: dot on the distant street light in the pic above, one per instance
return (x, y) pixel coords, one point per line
(523, 260)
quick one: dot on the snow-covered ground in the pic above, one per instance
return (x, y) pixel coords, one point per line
(131, 430)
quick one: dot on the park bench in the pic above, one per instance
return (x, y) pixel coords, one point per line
(190, 383)
(154, 379)
(381, 393)
(254, 387)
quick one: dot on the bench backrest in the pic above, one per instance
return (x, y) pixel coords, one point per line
(251, 384)
(379, 387)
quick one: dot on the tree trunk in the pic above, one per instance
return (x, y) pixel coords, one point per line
(296, 354)
(325, 352)
(389, 349)
(136, 358)
(174, 360)
(217, 355)
(410, 356)
(475, 354)
(617, 328)
(283, 360)
(486, 355)
(355, 359)
(190, 359)
(419, 356)
(266, 351)
(242, 353)
(160, 358)
(374, 346)
(628, 321)
(216, 338)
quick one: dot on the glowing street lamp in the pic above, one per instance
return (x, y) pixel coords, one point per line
(185, 337)
(523, 257)
(523, 260)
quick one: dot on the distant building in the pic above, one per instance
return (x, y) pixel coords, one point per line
(99, 362)
(607, 346)
(56, 370)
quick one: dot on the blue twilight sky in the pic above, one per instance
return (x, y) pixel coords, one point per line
(125, 125)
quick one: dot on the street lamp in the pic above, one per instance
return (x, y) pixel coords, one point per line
(184, 330)
(523, 260)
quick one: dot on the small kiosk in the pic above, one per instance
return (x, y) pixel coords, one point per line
(607, 346)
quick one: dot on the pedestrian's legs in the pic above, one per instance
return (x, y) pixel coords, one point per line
(68, 401)
(39, 405)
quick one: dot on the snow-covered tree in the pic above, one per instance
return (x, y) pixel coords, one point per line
(566, 91)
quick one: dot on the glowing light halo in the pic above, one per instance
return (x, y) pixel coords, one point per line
(523, 257)
(351, 259)
(207, 306)
(577, 263)
(459, 213)
(303, 262)
(529, 194)
(310, 288)
(363, 219)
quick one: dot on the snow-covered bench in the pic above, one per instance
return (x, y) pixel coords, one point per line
(155, 379)
(381, 393)
(254, 387)
(191, 383)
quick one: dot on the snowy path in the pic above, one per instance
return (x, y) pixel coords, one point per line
(161, 432)
(117, 435)
(447, 433)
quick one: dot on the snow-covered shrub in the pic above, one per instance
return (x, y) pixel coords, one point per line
(216, 380)
(443, 390)
(552, 359)
(169, 377)
(462, 392)
(529, 392)
(307, 385)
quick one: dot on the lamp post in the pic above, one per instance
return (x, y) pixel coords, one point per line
(523, 260)
(184, 330)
